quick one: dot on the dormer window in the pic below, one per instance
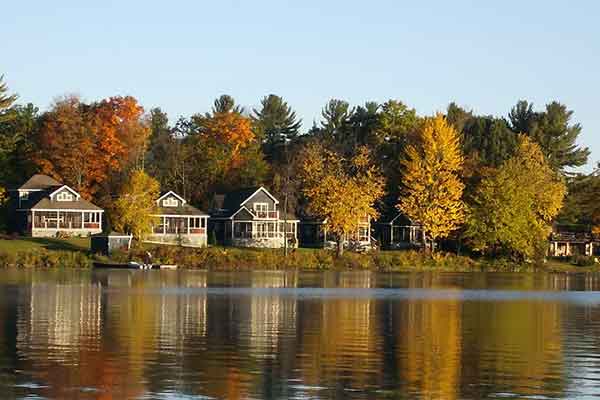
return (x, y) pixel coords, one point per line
(64, 196)
(170, 202)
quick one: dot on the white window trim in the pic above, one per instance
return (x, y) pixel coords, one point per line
(170, 202)
(64, 196)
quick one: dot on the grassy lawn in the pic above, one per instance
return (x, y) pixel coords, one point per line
(13, 246)
(562, 266)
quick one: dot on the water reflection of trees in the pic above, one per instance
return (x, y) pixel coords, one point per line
(128, 334)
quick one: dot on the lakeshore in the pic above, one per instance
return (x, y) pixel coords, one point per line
(26, 252)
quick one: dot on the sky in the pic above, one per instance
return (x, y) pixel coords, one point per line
(181, 55)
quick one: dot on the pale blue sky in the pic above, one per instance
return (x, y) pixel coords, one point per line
(180, 55)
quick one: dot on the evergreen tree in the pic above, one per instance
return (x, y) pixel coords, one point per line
(275, 124)
(18, 144)
(225, 104)
(553, 130)
(336, 115)
(6, 101)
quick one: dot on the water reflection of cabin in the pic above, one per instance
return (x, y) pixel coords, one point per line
(45, 207)
(399, 232)
(571, 240)
(178, 222)
(313, 233)
(252, 217)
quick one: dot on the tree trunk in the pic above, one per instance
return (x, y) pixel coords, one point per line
(340, 247)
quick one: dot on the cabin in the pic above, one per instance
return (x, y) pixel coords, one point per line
(44, 207)
(313, 233)
(178, 223)
(573, 240)
(397, 231)
(252, 217)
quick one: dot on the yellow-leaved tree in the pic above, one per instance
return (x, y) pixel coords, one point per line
(432, 189)
(340, 190)
(136, 205)
(512, 209)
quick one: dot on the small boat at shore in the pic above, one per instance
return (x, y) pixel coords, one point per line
(132, 265)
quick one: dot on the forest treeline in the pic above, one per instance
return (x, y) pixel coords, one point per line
(494, 184)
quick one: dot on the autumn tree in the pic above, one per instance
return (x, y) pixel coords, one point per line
(553, 131)
(514, 207)
(135, 208)
(223, 152)
(340, 190)
(87, 145)
(67, 146)
(432, 189)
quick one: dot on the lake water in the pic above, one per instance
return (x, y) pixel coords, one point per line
(272, 335)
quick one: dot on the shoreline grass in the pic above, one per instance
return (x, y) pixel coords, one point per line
(26, 252)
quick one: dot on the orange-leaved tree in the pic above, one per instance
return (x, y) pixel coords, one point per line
(83, 144)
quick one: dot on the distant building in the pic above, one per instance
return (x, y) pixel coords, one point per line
(397, 231)
(314, 233)
(44, 207)
(178, 222)
(252, 217)
(571, 240)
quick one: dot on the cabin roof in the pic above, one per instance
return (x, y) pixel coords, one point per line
(81, 204)
(40, 182)
(185, 209)
(227, 204)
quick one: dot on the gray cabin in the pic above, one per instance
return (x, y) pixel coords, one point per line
(44, 207)
(252, 217)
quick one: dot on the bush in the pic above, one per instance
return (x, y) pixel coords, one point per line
(583, 261)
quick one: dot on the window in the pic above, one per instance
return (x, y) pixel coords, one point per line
(261, 209)
(64, 196)
(24, 196)
(363, 234)
(91, 217)
(170, 202)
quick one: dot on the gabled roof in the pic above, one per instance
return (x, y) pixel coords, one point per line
(258, 190)
(182, 209)
(226, 204)
(170, 192)
(40, 182)
(396, 218)
(61, 188)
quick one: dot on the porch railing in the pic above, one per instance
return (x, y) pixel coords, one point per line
(267, 214)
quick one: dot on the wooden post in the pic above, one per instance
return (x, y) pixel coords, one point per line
(164, 220)
(391, 233)
(32, 221)
(188, 225)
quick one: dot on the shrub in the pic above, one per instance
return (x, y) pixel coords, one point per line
(583, 261)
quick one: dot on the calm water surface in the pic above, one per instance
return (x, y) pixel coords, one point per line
(358, 335)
